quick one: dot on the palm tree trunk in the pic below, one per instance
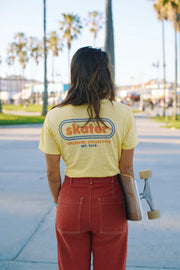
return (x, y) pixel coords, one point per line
(22, 86)
(174, 116)
(164, 69)
(52, 69)
(53, 82)
(45, 99)
(69, 48)
(109, 38)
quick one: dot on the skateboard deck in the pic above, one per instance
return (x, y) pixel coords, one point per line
(132, 199)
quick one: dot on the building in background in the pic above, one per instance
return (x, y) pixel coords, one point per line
(18, 90)
(149, 92)
(11, 86)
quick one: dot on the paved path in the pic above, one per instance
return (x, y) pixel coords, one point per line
(27, 237)
(22, 113)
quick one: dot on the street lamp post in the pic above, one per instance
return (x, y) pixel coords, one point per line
(45, 99)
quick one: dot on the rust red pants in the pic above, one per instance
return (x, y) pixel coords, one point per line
(91, 217)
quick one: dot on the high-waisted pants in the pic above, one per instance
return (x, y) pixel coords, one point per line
(91, 217)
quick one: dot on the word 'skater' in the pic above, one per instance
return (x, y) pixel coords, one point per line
(74, 129)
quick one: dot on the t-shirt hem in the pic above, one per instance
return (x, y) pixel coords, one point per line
(48, 152)
(130, 147)
(90, 175)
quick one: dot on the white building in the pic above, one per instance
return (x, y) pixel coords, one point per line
(153, 90)
(15, 89)
(11, 87)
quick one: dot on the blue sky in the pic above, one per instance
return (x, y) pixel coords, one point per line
(136, 29)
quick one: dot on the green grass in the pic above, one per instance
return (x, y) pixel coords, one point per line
(10, 119)
(29, 108)
(170, 123)
(136, 111)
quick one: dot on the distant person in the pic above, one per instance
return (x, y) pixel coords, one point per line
(152, 105)
(96, 137)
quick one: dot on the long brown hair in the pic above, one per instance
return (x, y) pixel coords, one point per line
(91, 81)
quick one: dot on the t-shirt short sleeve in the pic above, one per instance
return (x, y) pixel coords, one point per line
(48, 142)
(130, 139)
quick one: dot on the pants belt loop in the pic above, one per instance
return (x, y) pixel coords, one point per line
(71, 180)
(91, 181)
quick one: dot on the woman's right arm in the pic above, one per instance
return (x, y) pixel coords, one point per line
(53, 174)
(126, 162)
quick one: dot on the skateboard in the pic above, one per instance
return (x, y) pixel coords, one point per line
(133, 197)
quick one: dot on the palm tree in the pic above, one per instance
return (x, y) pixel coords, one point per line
(173, 11)
(11, 53)
(10, 60)
(109, 38)
(161, 12)
(71, 27)
(178, 30)
(21, 52)
(95, 23)
(45, 98)
(36, 49)
(174, 16)
(21, 49)
(55, 45)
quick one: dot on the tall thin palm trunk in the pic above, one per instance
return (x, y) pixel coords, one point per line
(109, 38)
(164, 68)
(22, 85)
(69, 49)
(174, 115)
(53, 82)
(45, 99)
(53, 68)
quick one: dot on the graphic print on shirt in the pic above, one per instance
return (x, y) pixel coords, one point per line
(76, 130)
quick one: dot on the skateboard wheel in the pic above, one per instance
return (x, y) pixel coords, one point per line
(145, 174)
(153, 214)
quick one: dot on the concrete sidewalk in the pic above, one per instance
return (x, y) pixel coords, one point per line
(22, 113)
(27, 236)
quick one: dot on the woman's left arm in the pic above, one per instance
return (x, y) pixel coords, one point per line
(53, 174)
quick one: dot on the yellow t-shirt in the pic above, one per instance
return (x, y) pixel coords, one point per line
(89, 150)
